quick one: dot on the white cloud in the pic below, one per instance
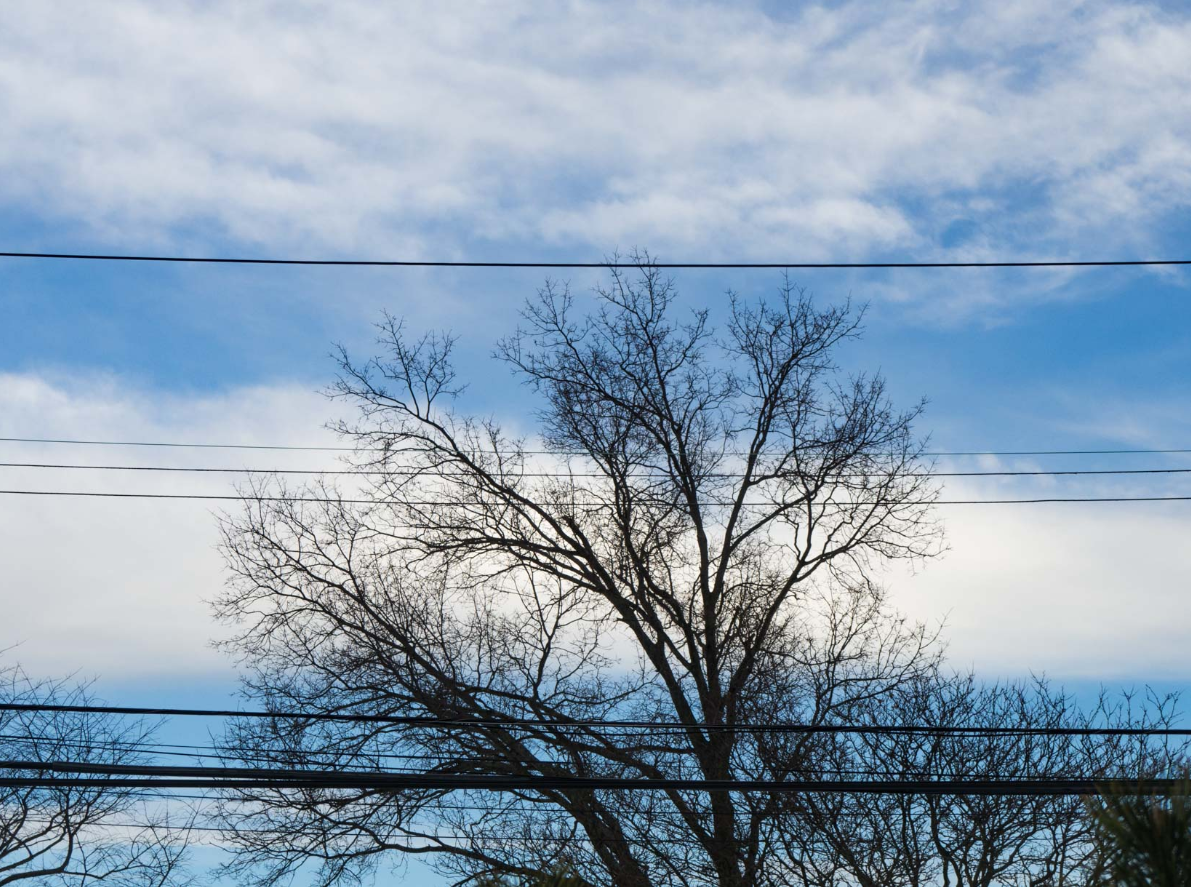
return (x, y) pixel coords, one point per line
(1076, 591)
(702, 131)
(117, 588)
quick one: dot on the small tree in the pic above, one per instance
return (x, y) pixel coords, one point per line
(1145, 838)
(77, 835)
(1001, 731)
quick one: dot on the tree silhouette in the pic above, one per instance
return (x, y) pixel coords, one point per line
(78, 835)
(689, 541)
(1146, 838)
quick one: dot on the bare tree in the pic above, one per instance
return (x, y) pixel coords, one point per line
(1023, 839)
(1013, 732)
(691, 544)
(78, 835)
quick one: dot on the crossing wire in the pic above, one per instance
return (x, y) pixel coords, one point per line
(437, 503)
(349, 831)
(607, 263)
(331, 449)
(558, 474)
(141, 776)
(319, 759)
(261, 757)
(488, 722)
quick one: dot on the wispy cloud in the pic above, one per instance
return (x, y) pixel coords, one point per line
(702, 131)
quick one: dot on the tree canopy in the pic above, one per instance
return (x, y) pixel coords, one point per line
(690, 540)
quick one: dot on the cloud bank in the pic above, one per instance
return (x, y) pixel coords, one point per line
(117, 587)
(704, 131)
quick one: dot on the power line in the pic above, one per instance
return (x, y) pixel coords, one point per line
(330, 449)
(691, 842)
(321, 759)
(140, 776)
(477, 723)
(1048, 500)
(259, 754)
(340, 832)
(558, 474)
(437, 503)
(185, 445)
(418, 263)
(327, 759)
(438, 837)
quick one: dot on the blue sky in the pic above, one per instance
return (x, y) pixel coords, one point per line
(703, 132)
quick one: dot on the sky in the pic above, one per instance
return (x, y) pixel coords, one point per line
(847, 132)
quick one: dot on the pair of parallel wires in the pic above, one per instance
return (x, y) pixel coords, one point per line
(159, 469)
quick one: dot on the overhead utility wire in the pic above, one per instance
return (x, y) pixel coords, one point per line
(438, 837)
(263, 757)
(442, 838)
(556, 474)
(326, 759)
(460, 723)
(420, 263)
(435, 503)
(208, 446)
(133, 776)
(331, 756)
(330, 449)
